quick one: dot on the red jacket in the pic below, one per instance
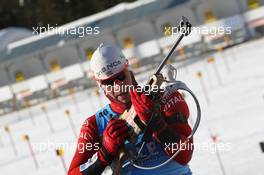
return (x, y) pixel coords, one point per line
(175, 111)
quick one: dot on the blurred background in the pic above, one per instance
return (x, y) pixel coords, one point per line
(46, 91)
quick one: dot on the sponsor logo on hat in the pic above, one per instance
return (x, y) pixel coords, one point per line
(108, 68)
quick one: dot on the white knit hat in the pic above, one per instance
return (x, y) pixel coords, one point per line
(107, 61)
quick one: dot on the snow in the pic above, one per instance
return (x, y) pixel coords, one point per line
(235, 114)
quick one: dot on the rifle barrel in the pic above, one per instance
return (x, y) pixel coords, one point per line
(169, 54)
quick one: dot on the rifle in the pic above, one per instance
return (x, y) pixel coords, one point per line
(134, 121)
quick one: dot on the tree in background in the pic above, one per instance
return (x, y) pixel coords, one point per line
(31, 13)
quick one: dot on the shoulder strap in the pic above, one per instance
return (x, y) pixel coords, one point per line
(103, 116)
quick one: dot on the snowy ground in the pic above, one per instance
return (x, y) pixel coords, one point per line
(235, 113)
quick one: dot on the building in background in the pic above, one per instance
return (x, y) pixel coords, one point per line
(58, 61)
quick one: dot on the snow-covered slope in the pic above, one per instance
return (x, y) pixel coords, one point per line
(235, 113)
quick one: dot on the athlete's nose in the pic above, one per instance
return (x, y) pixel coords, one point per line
(117, 85)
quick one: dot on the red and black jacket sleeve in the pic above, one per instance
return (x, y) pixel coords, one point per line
(175, 114)
(86, 160)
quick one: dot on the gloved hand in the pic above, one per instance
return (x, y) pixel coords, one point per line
(114, 135)
(143, 105)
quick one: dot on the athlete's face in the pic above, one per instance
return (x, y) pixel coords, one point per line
(117, 87)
